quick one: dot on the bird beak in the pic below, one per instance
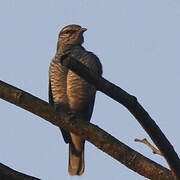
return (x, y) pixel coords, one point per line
(83, 30)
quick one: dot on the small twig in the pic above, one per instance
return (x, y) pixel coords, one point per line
(145, 141)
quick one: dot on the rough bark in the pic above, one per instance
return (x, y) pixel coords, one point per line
(88, 131)
(131, 103)
(7, 173)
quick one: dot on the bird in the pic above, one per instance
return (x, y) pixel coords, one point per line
(71, 93)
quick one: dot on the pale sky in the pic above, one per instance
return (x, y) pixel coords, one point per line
(137, 42)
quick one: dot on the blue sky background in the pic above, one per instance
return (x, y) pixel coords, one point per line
(138, 44)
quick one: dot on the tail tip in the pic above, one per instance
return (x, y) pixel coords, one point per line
(73, 172)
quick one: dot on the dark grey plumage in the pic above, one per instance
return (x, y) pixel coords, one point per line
(70, 92)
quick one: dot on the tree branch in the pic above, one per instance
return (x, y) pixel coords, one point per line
(88, 131)
(10, 174)
(145, 141)
(131, 103)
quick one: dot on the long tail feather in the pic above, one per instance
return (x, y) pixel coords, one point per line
(76, 161)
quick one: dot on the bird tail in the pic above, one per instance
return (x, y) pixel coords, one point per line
(76, 160)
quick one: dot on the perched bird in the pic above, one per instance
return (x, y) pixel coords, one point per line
(69, 92)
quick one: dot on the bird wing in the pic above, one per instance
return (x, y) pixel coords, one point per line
(81, 94)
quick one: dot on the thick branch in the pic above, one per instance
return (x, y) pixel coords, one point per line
(131, 103)
(10, 174)
(90, 132)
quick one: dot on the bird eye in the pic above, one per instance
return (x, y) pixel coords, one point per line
(69, 32)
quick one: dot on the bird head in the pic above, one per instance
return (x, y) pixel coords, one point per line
(69, 36)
